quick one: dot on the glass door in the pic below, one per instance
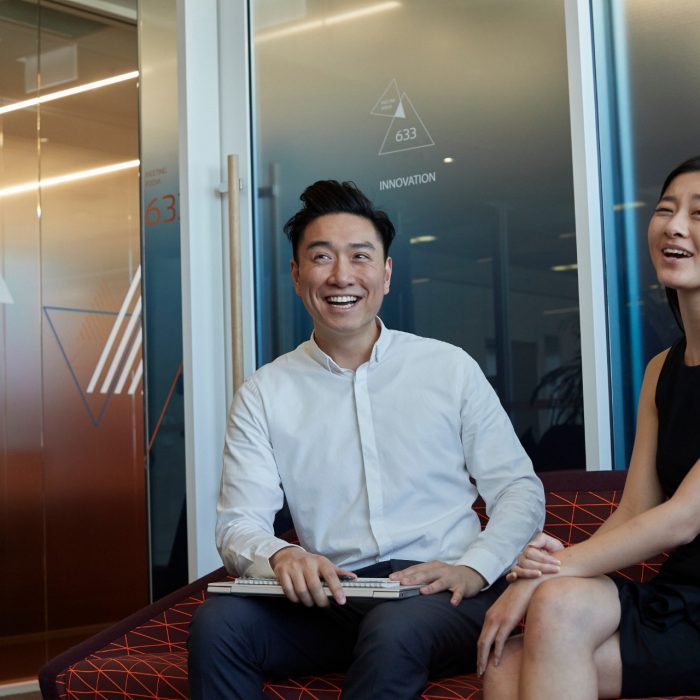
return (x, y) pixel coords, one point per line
(454, 118)
(72, 485)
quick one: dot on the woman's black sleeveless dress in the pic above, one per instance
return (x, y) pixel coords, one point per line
(660, 623)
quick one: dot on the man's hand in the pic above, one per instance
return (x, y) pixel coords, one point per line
(301, 575)
(501, 619)
(435, 576)
(536, 559)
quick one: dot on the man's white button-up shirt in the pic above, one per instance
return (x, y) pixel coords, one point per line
(383, 462)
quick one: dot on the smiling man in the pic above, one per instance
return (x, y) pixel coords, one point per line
(380, 441)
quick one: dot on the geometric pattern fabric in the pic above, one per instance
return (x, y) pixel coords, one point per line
(145, 657)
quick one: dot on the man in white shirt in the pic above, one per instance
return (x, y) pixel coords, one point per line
(380, 441)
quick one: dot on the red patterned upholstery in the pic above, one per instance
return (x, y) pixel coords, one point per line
(145, 657)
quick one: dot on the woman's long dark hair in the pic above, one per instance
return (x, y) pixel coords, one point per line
(692, 165)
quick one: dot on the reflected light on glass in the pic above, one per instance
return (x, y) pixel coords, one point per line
(564, 268)
(5, 296)
(69, 177)
(327, 21)
(69, 91)
(564, 310)
(628, 205)
(448, 159)
(422, 239)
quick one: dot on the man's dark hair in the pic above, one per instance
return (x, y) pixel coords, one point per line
(692, 165)
(333, 197)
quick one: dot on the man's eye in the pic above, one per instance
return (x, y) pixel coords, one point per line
(662, 210)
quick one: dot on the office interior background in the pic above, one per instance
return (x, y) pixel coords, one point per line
(518, 145)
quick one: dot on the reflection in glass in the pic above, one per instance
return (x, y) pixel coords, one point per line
(645, 62)
(71, 412)
(457, 123)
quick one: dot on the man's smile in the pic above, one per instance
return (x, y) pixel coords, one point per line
(345, 301)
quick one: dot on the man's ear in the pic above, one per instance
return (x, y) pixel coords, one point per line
(387, 275)
(294, 270)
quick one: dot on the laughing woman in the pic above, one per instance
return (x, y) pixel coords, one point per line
(589, 634)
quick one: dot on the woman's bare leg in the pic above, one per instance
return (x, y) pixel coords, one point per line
(501, 682)
(570, 647)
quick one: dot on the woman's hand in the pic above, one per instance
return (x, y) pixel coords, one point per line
(501, 619)
(536, 559)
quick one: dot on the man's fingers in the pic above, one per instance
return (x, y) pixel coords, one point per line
(335, 586)
(318, 595)
(288, 587)
(420, 573)
(435, 586)
(411, 572)
(457, 596)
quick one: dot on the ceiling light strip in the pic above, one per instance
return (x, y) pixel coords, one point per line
(69, 177)
(326, 21)
(69, 91)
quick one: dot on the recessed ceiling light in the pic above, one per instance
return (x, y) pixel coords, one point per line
(422, 239)
(628, 205)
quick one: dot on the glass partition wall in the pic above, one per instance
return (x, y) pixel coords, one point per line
(647, 75)
(72, 483)
(454, 118)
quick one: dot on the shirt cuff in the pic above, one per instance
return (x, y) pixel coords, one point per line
(260, 568)
(486, 563)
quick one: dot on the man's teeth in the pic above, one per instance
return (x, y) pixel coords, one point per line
(342, 300)
(676, 253)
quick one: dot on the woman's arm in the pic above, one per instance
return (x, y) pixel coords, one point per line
(642, 489)
(645, 527)
(663, 527)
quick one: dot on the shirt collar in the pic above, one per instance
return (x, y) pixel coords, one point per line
(378, 350)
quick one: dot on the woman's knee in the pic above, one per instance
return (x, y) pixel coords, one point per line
(572, 611)
(560, 600)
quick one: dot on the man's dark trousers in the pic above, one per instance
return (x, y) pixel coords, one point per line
(389, 649)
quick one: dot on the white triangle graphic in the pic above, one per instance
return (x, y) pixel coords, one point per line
(407, 134)
(389, 103)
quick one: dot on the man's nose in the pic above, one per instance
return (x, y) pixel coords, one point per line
(341, 274)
